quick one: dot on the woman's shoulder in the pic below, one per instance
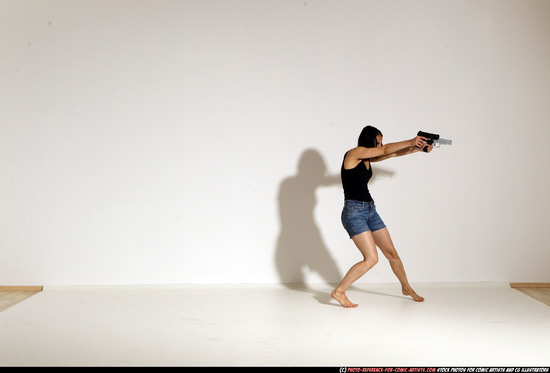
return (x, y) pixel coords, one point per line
(355, 153)
(352, 160)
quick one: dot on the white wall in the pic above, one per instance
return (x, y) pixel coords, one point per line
(161, 141)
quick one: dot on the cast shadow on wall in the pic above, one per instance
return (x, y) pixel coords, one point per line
(300, 244)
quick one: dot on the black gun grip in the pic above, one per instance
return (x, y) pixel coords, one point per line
(430, 136)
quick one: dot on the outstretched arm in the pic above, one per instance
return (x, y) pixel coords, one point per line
(369, 153)
(410, 150)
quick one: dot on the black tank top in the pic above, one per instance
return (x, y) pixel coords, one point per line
(355, 182)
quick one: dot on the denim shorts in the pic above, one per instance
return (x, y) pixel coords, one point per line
(359, 217)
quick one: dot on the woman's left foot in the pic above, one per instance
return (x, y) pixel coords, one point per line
(411, 293)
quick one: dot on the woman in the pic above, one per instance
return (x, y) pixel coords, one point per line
(359, 216)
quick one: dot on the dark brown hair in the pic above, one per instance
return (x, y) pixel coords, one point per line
(367, 138)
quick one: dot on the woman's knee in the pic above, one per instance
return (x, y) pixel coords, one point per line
(370, 262)
(391, 255)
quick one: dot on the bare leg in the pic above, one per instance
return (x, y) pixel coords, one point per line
(366, 245)
(383, 241)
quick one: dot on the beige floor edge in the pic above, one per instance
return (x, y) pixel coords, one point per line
(12, 295)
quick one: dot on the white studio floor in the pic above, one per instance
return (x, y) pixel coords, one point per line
(272, 325)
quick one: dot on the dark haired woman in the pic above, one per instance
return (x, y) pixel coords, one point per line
(359, 216)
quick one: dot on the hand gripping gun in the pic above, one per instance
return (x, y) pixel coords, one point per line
(433, 139)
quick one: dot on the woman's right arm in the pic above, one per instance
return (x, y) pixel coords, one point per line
(366, 153)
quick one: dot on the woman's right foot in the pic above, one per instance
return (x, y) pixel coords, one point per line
(340, 296)
(411, 293)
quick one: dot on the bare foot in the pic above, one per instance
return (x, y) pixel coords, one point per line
(342, 299)
(411, 293)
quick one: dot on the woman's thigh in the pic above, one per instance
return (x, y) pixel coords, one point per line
(383, 240)
(366, 245)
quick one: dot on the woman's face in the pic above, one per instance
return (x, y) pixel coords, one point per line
(378, 141)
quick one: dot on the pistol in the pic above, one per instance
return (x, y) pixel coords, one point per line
(433, 139)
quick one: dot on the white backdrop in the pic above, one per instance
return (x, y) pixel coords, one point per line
(200, 141)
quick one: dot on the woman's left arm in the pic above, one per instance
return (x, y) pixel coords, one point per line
(400, 153)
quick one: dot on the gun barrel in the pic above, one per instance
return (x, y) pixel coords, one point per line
(443, 141)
